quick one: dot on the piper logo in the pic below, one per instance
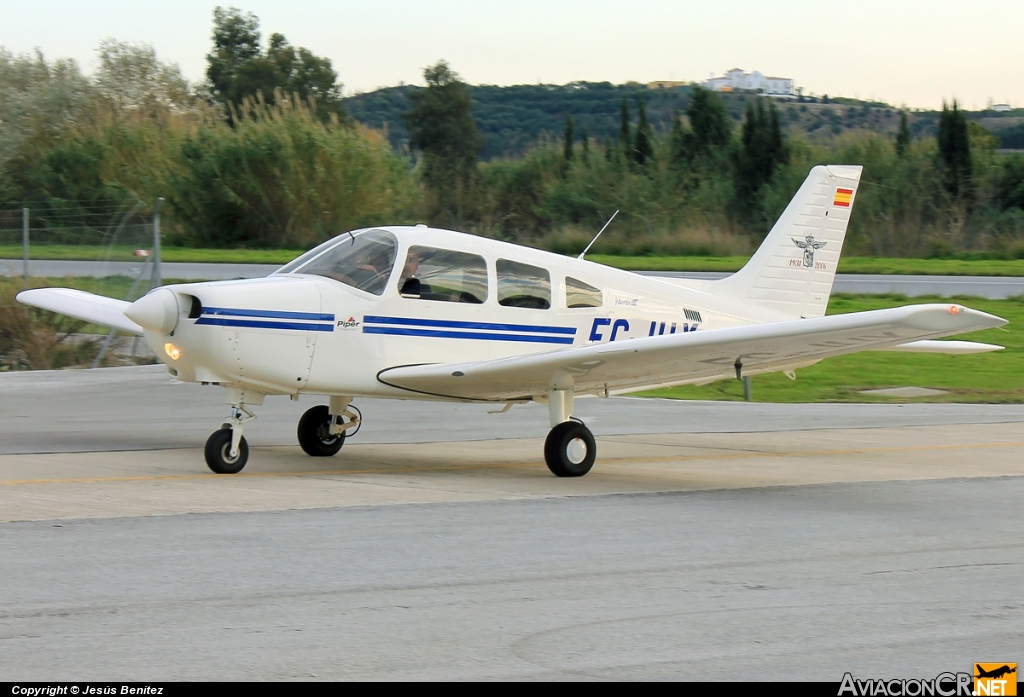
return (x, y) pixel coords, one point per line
(350, 323)
(995, 679)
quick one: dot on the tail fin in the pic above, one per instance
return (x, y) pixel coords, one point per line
(793, 269)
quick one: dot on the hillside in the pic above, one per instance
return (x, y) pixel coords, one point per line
(512, 119)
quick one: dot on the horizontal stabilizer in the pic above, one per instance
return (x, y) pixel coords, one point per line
(952, 348)
(90, 307)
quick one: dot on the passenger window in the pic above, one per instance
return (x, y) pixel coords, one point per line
(364, 261)
(522, 285)
(580, 294)
(444, 275)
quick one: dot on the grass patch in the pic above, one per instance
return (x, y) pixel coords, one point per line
(868, 265)
(71, 252)
(991, 377)
(996, 377)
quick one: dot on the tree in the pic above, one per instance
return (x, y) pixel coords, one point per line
(643, 149)
(903, 135)
(955, 153)
(1010, 183)
(624, 137)
(236, 47)
(678, 141)
(441, 126)
(709, 120)
(586, 145)
(237, 68)
(762, 149)
(567, 147)
(131, 78)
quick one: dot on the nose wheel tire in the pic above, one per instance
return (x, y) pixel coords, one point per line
(218, 453)
(315, 433)
(570, 449)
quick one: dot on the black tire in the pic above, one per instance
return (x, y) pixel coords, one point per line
(315, 436)
(570, 449)
(218, 447)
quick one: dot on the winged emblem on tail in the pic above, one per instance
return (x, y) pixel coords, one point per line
(809, 245)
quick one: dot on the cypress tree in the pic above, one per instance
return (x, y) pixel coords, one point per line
(709, 119)
(762, 149)
(779, 153)
(903, 135)
(567, 147)
(624, 139)
(955, 152)
(678, 157)
(643, 150)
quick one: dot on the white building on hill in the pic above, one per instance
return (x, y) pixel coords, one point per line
(736, 79)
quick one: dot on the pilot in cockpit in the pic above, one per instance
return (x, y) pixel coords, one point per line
(410, 286)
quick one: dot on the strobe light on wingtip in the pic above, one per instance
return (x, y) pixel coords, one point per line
(156, 311)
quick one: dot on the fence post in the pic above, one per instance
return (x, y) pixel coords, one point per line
(24, 245)
(156, 279)
(746, 388)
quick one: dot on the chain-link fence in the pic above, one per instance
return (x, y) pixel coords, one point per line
(103, 240)
(113, 250)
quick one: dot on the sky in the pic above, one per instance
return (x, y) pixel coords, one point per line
(905, 52)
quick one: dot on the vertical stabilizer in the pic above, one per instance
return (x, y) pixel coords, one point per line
(793, 269)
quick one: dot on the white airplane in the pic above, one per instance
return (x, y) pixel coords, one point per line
(422, 313)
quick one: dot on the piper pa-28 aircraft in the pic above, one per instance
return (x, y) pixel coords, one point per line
(421, 313)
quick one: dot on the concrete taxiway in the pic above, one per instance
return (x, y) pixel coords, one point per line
(796, 541)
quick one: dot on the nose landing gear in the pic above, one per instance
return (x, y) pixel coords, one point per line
(226, 450)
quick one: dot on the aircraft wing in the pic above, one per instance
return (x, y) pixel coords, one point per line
(90, 307)
(687, 357)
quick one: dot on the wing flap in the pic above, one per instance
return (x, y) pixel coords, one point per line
(687, 357)
(90, 307)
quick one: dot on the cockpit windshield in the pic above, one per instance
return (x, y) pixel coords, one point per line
(363, 261)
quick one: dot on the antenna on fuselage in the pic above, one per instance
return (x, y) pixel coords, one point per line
(597, 235)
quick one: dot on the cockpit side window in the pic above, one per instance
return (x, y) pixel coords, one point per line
(443, 275)
(522, 285)
(580, 294)
(363, 262)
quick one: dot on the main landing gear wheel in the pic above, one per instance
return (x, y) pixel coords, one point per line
(315, 433)
(218, 453)
(570, 449)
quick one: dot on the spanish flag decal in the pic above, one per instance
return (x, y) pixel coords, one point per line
(843, 197)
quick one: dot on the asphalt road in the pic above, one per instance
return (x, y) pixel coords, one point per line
(143, 408)
(711, 541)
(790, 583)
(976, 286)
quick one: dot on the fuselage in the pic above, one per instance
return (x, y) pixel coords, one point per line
(418, 295)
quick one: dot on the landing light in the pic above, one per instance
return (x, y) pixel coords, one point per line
(172, 351)
(953, 309)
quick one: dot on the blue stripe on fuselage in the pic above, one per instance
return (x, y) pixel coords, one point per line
(270, 314)
(265, 324)
(486, 336)
(452, 324)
